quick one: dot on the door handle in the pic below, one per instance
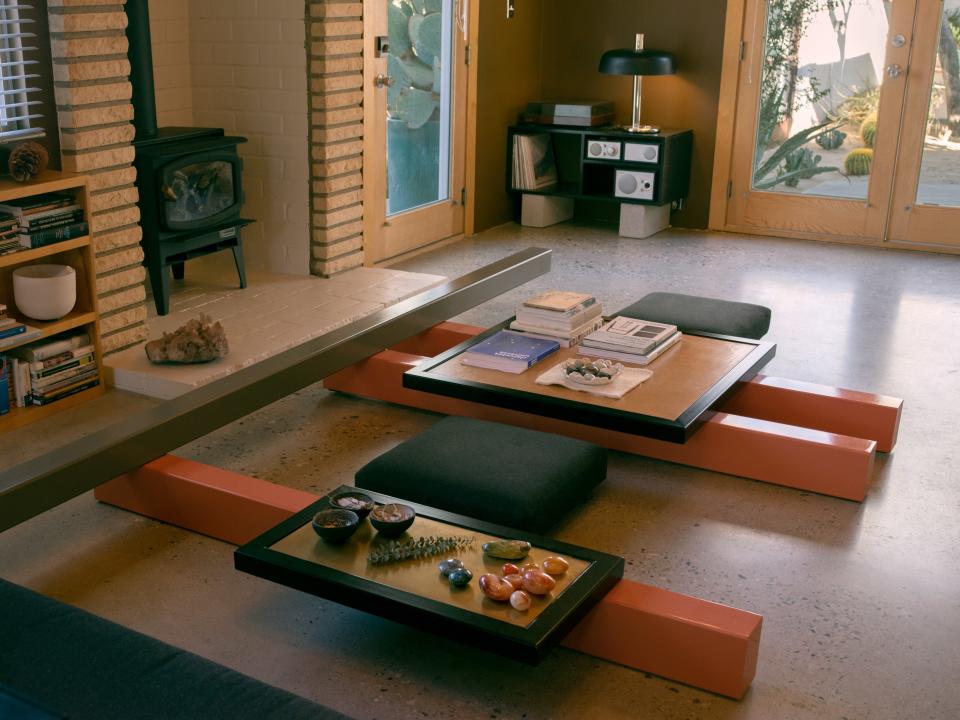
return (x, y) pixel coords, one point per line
(382, 81)
(894, 71)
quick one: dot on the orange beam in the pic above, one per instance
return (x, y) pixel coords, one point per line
(820, 407)
(683, 638)
(759, 449)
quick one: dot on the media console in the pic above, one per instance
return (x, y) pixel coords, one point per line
(610, 164)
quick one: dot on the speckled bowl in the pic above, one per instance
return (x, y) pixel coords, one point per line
(335, 526)
(388, 526)
(358, 502)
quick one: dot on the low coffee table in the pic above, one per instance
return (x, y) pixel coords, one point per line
(414, 592)
(688, 379)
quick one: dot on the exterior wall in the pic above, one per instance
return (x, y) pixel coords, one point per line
(172, 75)
(91, 71)
(249, 76)
(335, 42)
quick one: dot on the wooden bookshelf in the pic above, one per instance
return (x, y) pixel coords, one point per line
(76, 252)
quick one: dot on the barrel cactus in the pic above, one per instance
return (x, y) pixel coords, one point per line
(868, 130)
(413, 60)
(831, 139)
(858, 161)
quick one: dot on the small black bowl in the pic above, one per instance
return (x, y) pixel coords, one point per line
(358, 502)
(392, 519)
(335, 526)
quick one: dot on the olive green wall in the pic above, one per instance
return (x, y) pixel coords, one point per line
(571, 38)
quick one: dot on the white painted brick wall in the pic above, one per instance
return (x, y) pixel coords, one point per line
(242, 65)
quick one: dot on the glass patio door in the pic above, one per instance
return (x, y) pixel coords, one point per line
(415, 108)
(845, 114)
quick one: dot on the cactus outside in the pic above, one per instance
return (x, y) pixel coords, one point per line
(858, 161)
(868, 130)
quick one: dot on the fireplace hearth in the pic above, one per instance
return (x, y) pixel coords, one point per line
(189, 179)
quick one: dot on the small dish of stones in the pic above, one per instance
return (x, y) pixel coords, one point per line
(584, 371)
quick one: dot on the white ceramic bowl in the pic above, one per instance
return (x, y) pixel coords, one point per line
(45, 292)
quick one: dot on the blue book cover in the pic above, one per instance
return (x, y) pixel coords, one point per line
(4, 388)
(11, 331)
(513, 347)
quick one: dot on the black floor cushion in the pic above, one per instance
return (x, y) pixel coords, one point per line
(692, 313)
(82, 666)
(506, 475)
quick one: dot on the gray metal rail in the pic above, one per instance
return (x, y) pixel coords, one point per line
(35, 486)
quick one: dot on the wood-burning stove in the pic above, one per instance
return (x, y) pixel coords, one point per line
(189, 179)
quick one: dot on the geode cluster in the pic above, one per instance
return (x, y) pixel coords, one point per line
(199, 341)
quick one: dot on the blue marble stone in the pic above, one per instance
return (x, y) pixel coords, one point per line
(448, 566)
(460, 577)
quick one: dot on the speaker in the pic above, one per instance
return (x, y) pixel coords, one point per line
(635, 184)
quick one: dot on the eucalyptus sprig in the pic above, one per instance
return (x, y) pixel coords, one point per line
(393, 551)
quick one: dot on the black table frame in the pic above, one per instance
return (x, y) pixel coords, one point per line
(676, 431)
(528, 644)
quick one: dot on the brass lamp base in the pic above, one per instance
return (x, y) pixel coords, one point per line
(648, 129)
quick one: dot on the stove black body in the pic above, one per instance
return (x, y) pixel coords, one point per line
(189, 179)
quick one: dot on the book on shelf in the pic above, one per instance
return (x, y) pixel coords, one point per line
(29, 333)
(8, 322)
(36, 204)
(47, 398)
(534, 167)
(629, 357)
(4, 386)
(61, 358)
(64, 216)
(509, 351)
(566, 339)
(54, 370)
(626, 334)
(61, 380)
(16, 328)
(53, 235)
(560, 301)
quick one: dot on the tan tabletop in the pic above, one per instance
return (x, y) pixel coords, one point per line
(681, 376)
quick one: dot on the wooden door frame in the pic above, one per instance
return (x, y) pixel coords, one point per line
(731, 64)
(374, 184)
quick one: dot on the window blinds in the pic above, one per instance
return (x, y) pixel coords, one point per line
(19, 94)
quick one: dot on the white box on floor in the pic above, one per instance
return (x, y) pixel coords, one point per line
(640, 221)
(545, 210)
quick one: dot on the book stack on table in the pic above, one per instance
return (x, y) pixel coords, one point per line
(630, 340)
(566, 317)
(43, 373)
(44, 219)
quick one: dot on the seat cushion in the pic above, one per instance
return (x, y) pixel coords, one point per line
(82, 666)
(506, 475)
(692, 313)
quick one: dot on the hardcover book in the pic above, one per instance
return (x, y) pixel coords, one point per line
(631, 335)
(561, 301)
(509, 351)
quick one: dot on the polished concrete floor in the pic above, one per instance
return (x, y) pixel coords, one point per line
(861, 602)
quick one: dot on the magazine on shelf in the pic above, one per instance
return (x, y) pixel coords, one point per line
(633, 358)
(509, 351)
(630, 335)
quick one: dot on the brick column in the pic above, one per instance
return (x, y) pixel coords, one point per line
(335, 67)
(92, 90)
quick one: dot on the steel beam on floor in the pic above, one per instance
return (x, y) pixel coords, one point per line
(63, 473)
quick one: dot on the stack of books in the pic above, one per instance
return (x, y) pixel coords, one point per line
(9, 233)
(12, 331)
(630, 340)
(584, 113)
(45, 219)
(534, 167)
(566, 317)
(45, 372)
(508, 351)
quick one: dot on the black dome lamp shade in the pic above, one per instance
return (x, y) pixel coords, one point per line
(638, 62)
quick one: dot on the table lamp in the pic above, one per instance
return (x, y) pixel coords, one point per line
(638, 62)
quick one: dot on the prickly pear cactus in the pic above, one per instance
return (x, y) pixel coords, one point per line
(415, 29)
(858, 161)
(868, 130)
